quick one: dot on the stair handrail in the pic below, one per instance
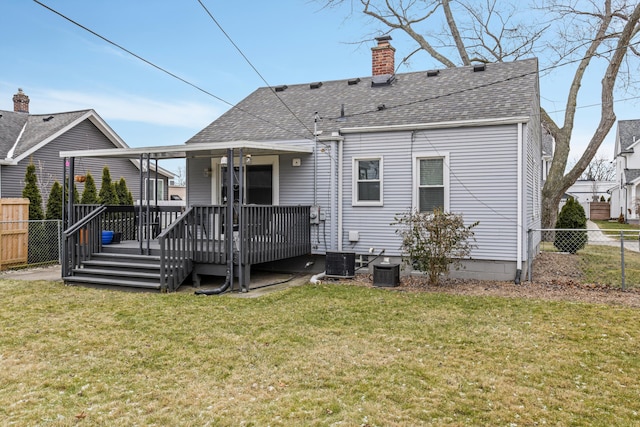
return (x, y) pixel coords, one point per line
(72, 252)
(175, 252)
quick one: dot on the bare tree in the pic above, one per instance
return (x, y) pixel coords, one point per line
(577, 32)
(180, 177)
(600, 169)
(44, 180)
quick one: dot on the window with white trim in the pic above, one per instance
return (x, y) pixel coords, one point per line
(431, 183)
(156, 191)
(367, 182)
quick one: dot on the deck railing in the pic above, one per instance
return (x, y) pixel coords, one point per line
(175, 252)
(269, 233)
(275, 232)
(124, 219)
(81, 240)
(260, 234)
(207, 234)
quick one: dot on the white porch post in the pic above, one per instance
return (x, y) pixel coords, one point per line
(632, 202)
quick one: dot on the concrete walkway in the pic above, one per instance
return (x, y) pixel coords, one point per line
(50, 274)
(597, 237)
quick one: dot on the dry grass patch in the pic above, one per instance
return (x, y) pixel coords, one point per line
(312, 355)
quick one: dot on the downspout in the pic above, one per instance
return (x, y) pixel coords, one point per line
(148, 208)
(140, 206)
(315, 160)
(340, 191)
(241, 200)
(70, 211)
(228, 230)
(519, 207)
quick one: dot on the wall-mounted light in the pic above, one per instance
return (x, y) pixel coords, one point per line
(247, 159)
(223, 161)
(207, 172)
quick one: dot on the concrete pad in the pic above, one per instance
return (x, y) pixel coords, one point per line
(50, 273)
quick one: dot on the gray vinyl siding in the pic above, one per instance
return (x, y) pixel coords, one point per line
(297, 188)
(84, 135)
(198, 186)
(482, 177)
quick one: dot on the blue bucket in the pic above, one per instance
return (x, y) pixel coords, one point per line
(107, 237)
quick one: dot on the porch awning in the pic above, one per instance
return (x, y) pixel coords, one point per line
(209, 149)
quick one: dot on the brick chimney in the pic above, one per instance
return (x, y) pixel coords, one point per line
(383, 57)
(20, 102)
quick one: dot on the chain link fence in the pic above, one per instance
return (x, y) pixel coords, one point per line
(26, 244)
(606, 256)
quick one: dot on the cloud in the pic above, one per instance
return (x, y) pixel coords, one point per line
(127, 107)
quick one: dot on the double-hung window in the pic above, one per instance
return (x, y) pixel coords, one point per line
(367, 182)
(431, 183)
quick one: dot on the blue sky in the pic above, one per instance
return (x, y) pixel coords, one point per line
(62, 67)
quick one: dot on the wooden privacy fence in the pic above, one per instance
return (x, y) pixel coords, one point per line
(14, 232)
(599, 210)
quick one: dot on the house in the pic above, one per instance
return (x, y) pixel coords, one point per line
(355, 153)
(38, 138)
(589, 194)
(464, 139)
(625, 196)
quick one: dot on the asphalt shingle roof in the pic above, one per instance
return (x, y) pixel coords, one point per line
(37, 129)
(502, 90)
(11, 125)
(627, 130)
(631, 175)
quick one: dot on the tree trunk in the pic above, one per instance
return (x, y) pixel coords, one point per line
(551, 196)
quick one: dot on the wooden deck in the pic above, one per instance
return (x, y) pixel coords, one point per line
(184, 243)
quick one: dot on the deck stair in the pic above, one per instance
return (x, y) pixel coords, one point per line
(119, 270)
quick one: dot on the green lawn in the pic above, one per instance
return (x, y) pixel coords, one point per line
(314, 355)
(613, 228)
(601, 264)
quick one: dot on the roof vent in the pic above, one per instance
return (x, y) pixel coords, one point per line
(383, 80)
(315, 85)
(280, 88)
(479, 67)
(353, 81)
(433, 73)
(46, 119)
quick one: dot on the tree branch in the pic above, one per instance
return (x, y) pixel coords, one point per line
(453, 27)
(608, 116)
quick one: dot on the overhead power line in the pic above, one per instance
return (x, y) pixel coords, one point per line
(164, 70)
(330, 118)
(252, 66)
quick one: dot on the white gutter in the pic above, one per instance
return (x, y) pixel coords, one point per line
(340, 191)
(519, 203)
(438, 125)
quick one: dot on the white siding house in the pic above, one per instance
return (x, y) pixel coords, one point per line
(465, 139)
(625, 195)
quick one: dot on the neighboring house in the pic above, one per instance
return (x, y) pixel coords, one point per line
(585, 192)
(38, 138)
(548, 148)
(466, 139)
(625, 196)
